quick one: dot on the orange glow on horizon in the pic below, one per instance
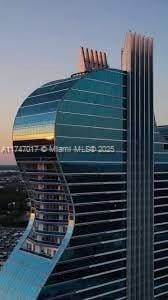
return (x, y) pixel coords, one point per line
(38, 136)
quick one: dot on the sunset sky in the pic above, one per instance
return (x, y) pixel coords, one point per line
(40, 41)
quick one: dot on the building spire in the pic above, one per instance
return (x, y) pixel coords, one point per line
(92, 59)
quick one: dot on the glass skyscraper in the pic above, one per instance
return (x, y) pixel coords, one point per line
(95, 166)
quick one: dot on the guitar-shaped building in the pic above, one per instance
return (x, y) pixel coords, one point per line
(95, 166)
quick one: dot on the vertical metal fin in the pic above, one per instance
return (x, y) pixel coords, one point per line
(137, 60)
(92, 59)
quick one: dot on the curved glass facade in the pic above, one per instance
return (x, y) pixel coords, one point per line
(91, 122)
(96, 170)
(74, 135)
(34, 131)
